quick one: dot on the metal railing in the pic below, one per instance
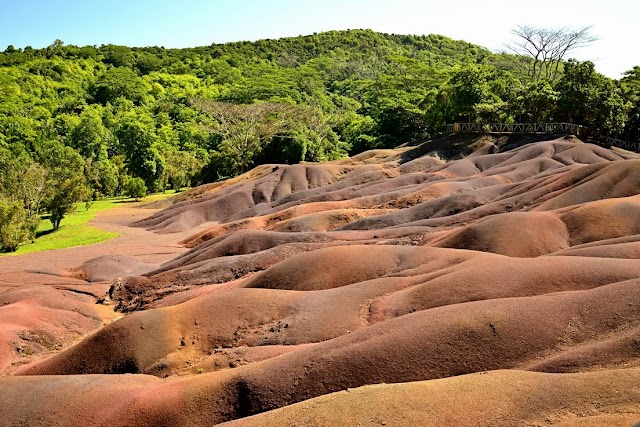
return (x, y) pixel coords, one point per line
(539, 128)
(626, 145)
(516, 128)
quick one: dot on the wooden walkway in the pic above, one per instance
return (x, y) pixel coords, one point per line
(539, 128)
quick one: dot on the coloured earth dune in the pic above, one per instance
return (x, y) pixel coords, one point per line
(464, 281)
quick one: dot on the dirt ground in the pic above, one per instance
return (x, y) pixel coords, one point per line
(476, 281)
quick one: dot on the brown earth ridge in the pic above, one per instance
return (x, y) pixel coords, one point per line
(463, 281)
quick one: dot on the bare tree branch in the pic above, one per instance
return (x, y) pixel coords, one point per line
(548, 47)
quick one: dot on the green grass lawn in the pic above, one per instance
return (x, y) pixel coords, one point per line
(74, 229)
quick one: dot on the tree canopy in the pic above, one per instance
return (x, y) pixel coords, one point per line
(79, 121)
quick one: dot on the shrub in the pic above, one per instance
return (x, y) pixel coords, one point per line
(135, 188)
(14, 226)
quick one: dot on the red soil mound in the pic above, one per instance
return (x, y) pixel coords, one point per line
(603, 220)
(332, 267)
(594, 182)
(435, 343)
(230, 201)
(623, 247)
(110, 267)
(325, 221)
(517, 234)
(42, 319)
(506, 398)
(403, 279)
(241, 243)
(456, 256)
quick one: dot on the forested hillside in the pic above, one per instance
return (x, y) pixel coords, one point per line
(78, 123)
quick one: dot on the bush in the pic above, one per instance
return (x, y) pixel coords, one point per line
(14, 227)
(135, 188)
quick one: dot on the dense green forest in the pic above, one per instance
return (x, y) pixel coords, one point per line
(80, 123)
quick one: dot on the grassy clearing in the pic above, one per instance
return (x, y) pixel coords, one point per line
(159, 196)
(75, 230)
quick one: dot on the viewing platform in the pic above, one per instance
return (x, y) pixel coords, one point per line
(543, 128)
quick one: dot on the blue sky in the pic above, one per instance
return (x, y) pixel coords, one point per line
(199, 22)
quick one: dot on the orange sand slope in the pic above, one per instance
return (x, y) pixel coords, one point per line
(497, 398)
(492, 280)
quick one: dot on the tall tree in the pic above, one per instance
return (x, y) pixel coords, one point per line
(588, 98)
(90, 137)
(120, 82)
(66, 182)
(535, 102)
(548, 47)
(25, 182)
(137, 136)
(244, 129)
